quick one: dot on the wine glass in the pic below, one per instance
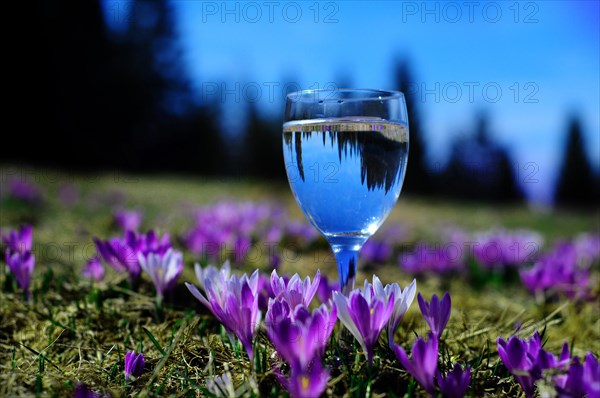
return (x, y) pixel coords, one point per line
(345, 153)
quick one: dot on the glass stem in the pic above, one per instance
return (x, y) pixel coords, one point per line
(346, 251)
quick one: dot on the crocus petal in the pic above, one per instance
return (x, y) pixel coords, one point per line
(423, 366)
(402, 302)
(365, 313)
(591, 375)
(94, 269)
(196, 293)
(295, 291)
(232, 300)
(300, 336)
(163, 269)
(456, 382)
(304, 383)
(134, 364)
(436, 313)
(21, 265)
(360, 313)
(341, 303)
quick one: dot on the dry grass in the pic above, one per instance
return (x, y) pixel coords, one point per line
(75, 330)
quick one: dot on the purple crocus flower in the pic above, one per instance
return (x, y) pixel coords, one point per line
(306, 383)
(526, 360)
(231, 226)
(379, 248)
(436, 313)
(94, 269)
(278, 312)
(162, 269)
(580, 380)
(198, 241)
(25, 190)
(326, 289)
(21, 265)
(119, 254)
(20, 240)
(150, 242)
(365, 313)
(456, 382)
(499, 248)
(558, 271)
(295, 291)
(402, 301)
(375, 251)
(432, 259)
(232, 300)
(241, 248)
(518, 356)
(128, 220)
(273, 234)
(18, 255)
(299, 336)
(83, 391)
(423, 366)
(122, 253)
(134, 364)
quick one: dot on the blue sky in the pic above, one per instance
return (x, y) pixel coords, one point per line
(527, 64)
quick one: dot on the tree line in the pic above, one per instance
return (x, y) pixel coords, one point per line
(100, 99)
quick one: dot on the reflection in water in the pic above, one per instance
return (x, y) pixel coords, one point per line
(382, 160)
(298, 139)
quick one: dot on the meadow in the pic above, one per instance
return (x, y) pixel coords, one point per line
(77, 324)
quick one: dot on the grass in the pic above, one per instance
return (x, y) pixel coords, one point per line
(77, 330)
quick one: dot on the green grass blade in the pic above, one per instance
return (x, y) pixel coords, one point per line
(154, 341)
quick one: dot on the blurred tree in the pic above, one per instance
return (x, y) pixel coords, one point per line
(166, 124)
(417, 179)
(577, 185)
(480, 169)
(262, 151)
(105, 98)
